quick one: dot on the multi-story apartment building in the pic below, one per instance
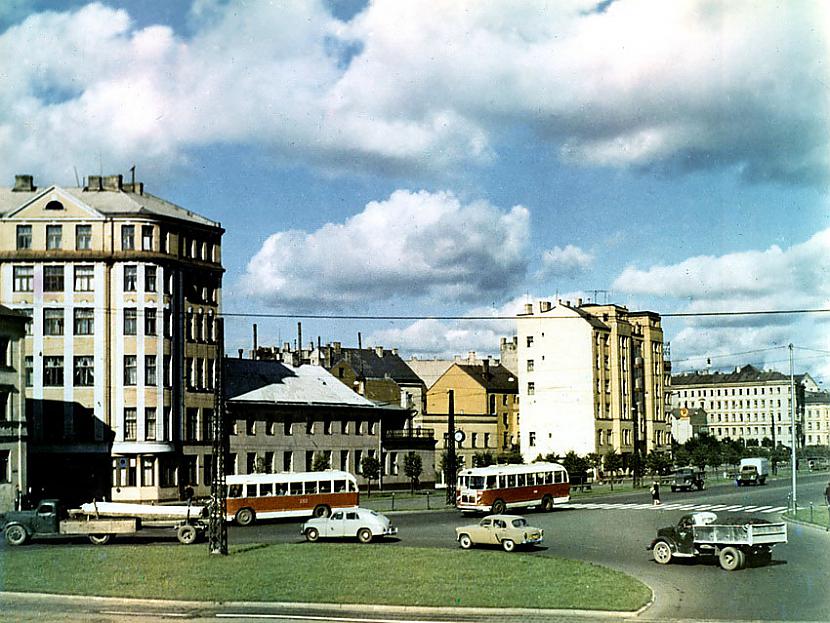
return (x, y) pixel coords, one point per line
(592, 378)
(13, 430)
(817, 418)
(485, 409)
(123, 288)
(747, 404)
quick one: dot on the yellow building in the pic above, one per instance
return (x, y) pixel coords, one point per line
(485, 405)
(123, 288)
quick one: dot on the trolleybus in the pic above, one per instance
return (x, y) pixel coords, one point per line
(499, 487)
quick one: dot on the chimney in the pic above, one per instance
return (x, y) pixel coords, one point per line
(544, 306)
(94, 183)
(113, 182)
(300, 343)
(579, 302)
(379, 351)
(502, 342)
(24, 184)
(486, 364)
(359, 341)
(395, 351)
(529, 308)
(241, 350)
(255, 342)
(471, 356)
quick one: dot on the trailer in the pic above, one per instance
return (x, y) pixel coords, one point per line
(698, 535)
(100, 522)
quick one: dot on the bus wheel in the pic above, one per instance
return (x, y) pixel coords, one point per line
(245, 517)
(311, 535)
(364, 535)
(508, 545)
(100, 539)
(547, 503)
(322, 511)
(465, 541)
(16, 535)
(186, 534)
(499, 507)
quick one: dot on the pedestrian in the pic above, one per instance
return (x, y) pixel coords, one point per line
(655, 493)
(827, 501)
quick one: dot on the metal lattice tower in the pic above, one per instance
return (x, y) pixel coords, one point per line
(218, 532)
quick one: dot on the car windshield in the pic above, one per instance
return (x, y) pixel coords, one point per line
(521, 522)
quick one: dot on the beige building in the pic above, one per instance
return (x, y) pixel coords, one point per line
(13, 429)
(817, 418)
(591, 378)
(123, 288)
(746, 404)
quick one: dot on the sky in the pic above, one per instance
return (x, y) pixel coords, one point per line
(435, 159)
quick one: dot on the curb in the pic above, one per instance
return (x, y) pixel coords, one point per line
(330, 607)
(806, 524)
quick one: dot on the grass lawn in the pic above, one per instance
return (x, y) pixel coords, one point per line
(817, 515)
(323, 572)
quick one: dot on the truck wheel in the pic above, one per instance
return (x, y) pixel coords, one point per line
(312, 535)
(547, 503)
(508, 545)
(465, 541)
(673, 489)
(16, 535)
(100, 539)
(364, 535)
(701, 486)
(661, 552)
(731, 558)
(186, 534)
(321, 510)
(499, 506)
(245, 516)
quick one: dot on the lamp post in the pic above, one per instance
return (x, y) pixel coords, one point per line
(449, 464)
(792, 426)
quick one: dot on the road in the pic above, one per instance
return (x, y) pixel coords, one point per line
(609, 531)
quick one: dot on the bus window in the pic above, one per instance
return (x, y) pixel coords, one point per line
(282, 488)
(352, 486)
(520, 480)
(250, 491)
(339, 486)
(502, 482)
(295, 488)
(491, 482)
(559, 477)
(266, 488)
(476, 482)
(511, 480)
(539, 478)
(325, 486)
(235, 491)
(548, 478)
(311, 487)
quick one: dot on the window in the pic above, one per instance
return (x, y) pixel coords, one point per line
(84, 278)
(148, 471)
(288, 427)
(531, 439)
(327, 426)
(130, 370)
(54, 234)
(53, 278)
(53, 371)
(83, 237)
(146, 237)
(149, 322)
(250, 427)
(84, 321)
(474, 440)
(207, 424)
(529, 341)
(84, 373)
(288, 461)
(130, 324)
(149, 424)
(27, 311)
(531, 389)
(29, 373)
(149, 278)
(24, 236)
(530, 365)
(130, 278)
(127, 237)
(486, 440)
(130, 424)
(23, 278)
(4, 466)
(53, 321)
(191, 424)
(149, 369)
(309, 427)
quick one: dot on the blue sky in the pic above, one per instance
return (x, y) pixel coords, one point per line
(458, 158)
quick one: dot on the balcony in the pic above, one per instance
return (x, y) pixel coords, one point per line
(409, 439)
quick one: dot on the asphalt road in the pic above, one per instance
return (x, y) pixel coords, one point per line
(795, 587)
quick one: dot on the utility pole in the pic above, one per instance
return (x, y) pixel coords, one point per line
(218, 527)
(449, 464)
(792, 425)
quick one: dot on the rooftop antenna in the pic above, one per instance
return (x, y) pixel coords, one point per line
(132, 176)
(77, 179)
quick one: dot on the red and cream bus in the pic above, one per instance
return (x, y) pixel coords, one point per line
(499, 487)
(289, 494)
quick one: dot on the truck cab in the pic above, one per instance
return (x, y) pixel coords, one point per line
(40, 521)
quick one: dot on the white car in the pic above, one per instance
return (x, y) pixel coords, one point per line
(363, 523)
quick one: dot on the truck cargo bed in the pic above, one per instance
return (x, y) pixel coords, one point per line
(741, 534)
(98, 526)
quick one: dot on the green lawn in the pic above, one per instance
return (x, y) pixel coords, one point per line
(818, 515)
(322, 572)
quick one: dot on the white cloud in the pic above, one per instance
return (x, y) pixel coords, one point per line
(565, 262)
(413, 244)
(682, 85)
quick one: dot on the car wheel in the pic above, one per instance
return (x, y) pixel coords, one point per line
(312, 535)
(16, 535)
(100, 539)
(499, 506)
(245, 516)
(322, 511)
(731, 558)
(661, 552)
(547, 503)
(364, 535)
(465, 541)
(508, 545)
(187, 534)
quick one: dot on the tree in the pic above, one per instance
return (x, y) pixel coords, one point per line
(595, 461)
(612, 463)
(412, 467)
(370, 470)
(512, 457)
(658, 463)
(483, 459)
(320, 463)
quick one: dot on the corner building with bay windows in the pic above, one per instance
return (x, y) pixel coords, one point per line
(123, 289)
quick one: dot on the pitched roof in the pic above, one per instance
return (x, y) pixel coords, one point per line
(248, 380)
(746, 374)
(497, 379)
(429, 370)
(109, 202)
(367, 362)
(817, 398)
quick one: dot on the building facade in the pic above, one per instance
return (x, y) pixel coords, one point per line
(13, 430)
(688, 424)
(817, 418)
(592, 378)
(124, 289)
(746, 404)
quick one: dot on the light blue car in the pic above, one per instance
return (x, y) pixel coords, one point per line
(361, 523)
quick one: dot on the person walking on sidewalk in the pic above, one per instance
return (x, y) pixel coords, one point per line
(655, 493)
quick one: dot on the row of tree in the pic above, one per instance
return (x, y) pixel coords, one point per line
(370, 468)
